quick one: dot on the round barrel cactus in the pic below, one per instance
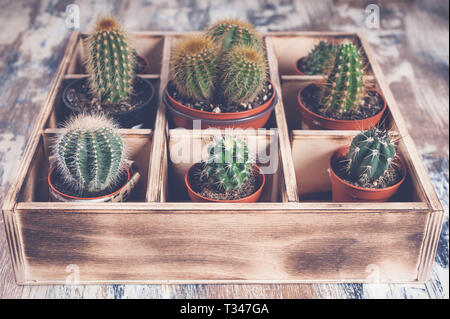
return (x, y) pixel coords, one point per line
(344, 87)
(90, 154)
(111, 62)
(370, 155)
(243, 74)
(229, 33)
(194, 67)
(319, 59)
(228, 165)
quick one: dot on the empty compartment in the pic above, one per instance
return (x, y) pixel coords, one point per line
(138, 146)
(187, 147)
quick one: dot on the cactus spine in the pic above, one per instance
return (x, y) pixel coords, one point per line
(228, 166)
(230, 33)
(111, 62)
(90, 153)
(344, 87)
(319, 59)
(243, 74)
(370, 155)
(194, 66)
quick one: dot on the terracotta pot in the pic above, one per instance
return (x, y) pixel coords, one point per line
(214, 118)
(127, 119)
(119, 195)
(195, 197)
(299, 72)
(319, 122)
(343, 191)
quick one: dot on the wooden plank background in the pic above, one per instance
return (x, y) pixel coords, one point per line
(411, 46)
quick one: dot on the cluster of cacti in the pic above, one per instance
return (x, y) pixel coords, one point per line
(90, 154)
(231, 33)
(228, 165)
(111, 62)
(370, 155)
(228, 63)
(194, 63)
(319, 59)
(344, 88)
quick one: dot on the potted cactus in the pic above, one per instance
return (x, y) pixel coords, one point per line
(221, 79)
(343, 101)
(318, 60)
(368, 170)
(88, 162)
(112, 86)
(227, 175)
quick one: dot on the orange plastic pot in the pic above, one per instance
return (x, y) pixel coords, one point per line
(195, 197)
(232, 119)
(299, 72)
(343, 191)
(117, 196)
(318, 122)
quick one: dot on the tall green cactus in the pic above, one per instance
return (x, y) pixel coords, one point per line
(229, 165)
(319, 59)
(344, 87)
(90, 154)
(370, 155)
(110, 62)
(194, 67)
(229, 33)
(243, 74)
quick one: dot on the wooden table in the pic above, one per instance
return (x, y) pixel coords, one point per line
(411, 46)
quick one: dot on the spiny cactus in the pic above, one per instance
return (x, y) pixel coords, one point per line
(243, 74)
(319, 59)
(229, 33)
(194, 67)
(370, 155)
(111, 62)
(228, 165)
(89, 154)
(344, 87)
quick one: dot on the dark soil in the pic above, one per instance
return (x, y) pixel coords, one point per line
(203, 188)
(82, 100)
(61, 187)
(220, 106)
(391, 177)
(301, 64)
(373, 104)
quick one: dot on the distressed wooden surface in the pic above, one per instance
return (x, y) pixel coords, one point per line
(411, 47)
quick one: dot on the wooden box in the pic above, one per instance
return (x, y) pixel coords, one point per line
(294, 234)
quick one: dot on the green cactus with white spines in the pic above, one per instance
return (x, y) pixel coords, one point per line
(343, 90)
(370, 155)
(319, 59)
(111, 62)
(230, 33)
(194, 68)
(228, 165)
(90, 153)
(243, 74)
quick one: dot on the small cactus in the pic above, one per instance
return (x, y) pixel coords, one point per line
(344, 87)
(229, 33)
(194, 67)
(111, 62)
(319, 59)
(90, 154)
(228, 166)
(370, 155)
(243, 74)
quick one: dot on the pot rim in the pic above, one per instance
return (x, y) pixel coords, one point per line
(344, 150)
(188, 185)
(303, 107)
(53, 188)
(142, 105)
(235, 115)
